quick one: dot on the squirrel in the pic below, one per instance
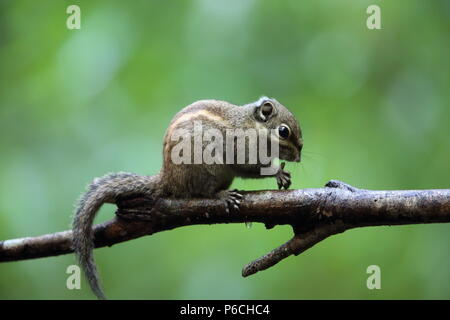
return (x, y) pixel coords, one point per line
(199, 180)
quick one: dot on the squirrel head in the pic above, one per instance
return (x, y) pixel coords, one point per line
(273, 115)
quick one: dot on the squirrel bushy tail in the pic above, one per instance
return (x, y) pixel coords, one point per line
(102, 190)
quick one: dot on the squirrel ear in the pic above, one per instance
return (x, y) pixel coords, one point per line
(264, 111)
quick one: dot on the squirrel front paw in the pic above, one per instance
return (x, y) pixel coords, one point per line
(283, 177)
(232, 199)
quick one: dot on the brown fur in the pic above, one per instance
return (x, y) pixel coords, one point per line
(182, 180)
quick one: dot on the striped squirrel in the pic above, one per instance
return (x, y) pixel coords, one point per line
(192, 180)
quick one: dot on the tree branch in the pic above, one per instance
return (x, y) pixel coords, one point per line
(314, 214)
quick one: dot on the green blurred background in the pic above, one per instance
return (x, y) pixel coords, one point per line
(76, 104)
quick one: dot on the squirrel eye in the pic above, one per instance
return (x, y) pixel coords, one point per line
(284, 131)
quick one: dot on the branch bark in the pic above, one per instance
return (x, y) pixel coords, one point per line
(314, 214)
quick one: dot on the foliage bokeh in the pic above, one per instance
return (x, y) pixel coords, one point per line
(76, 104)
